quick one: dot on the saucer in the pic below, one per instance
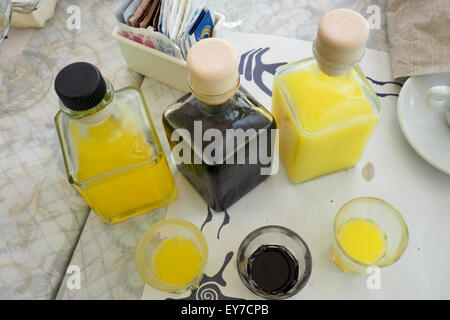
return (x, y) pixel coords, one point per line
(425, 129)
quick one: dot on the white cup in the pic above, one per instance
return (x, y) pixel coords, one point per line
(438, 98)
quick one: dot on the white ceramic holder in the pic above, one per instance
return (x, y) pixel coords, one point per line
(156, 64)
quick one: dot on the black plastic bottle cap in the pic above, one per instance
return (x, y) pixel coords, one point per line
(80, 86)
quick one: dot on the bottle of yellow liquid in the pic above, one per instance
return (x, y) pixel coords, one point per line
(112, 153)
(325, 108)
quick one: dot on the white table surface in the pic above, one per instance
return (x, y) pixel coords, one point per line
(420, 192)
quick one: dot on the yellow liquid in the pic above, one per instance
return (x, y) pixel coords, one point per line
(131, 182)
(362, 240)
(333, 123)
(177, 261)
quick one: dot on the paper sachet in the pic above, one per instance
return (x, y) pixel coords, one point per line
(151, 39)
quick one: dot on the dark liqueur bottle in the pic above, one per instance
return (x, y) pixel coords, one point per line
(221, 137)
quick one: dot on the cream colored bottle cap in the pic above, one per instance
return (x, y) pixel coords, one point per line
(213, 70)
(341, 38)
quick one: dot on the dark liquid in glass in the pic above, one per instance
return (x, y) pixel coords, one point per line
(273, 270)
(221, 184)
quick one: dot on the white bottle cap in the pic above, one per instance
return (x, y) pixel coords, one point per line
(341, 40)
(213, 70)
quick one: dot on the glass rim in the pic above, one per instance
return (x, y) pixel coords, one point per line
(304, 275)
(179, 223)
(6, 13)
(405, 234)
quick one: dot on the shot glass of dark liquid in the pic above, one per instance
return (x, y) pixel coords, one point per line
(274, 262)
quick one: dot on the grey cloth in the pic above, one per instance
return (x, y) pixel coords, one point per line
(419, 36)
(119, 12)
(131, 9)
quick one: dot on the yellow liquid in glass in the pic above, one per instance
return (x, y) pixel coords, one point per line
(362, 240)
(177, 261)
(325, 122)
(132, 183)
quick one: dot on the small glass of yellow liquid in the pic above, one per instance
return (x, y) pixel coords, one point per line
(368, 232)
(171, 256)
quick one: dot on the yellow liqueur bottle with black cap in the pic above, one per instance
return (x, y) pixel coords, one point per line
(111, 151)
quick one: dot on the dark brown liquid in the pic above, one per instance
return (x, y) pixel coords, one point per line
(221, 184)
(273, 270)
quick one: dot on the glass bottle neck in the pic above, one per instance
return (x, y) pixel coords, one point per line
(318, 70)
(214, 99)
(218, 109)
(95, 115)
(333, 69)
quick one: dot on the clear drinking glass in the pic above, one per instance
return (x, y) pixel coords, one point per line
(25, 78)
(380, 214)
(156, 235)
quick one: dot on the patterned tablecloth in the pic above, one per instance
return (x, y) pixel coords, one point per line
(45, 227)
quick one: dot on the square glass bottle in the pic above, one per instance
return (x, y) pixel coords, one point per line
(221, 137)
(111, 151)
(325, 108)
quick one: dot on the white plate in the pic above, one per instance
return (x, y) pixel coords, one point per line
(426, 130)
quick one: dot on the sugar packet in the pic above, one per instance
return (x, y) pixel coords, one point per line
(166, 45)
(150, 14)
(191, 9)
(200, 27)
(140, 12)
(119, 12)
(166, 8)
(203, 27)
(175, 28)
(151, 39)
(130, 10)
(172, 17)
